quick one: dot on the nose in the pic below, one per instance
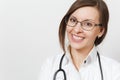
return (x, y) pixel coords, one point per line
(78, 27)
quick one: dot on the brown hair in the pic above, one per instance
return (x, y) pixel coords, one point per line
(104, 17)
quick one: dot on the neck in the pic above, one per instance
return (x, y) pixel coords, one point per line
(78, 56)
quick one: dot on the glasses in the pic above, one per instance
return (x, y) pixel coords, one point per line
(85, 25)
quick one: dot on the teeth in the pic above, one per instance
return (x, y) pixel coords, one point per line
(77, 37)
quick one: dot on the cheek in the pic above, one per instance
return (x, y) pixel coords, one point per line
(92, 36)
(68, 32)
(68, 29)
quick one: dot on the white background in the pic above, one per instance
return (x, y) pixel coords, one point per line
(29, 34)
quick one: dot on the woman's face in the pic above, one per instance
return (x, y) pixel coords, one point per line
(78, 37)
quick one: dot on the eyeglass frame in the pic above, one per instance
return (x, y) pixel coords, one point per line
(81, 22)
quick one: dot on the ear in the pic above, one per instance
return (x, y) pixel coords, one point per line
(102, 30)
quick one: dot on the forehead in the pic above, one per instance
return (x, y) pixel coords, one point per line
(86, 13)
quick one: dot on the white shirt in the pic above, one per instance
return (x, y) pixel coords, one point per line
(89, 70)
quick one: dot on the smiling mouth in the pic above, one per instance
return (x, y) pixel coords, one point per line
(77, 38)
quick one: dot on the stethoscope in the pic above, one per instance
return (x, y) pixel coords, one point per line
(64, 74)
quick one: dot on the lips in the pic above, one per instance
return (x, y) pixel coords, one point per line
(77, 38)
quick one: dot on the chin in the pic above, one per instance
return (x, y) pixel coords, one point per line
(77, 46)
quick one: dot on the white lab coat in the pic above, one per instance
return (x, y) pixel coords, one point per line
(88, 71)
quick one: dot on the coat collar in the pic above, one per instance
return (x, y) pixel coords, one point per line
(92, 57)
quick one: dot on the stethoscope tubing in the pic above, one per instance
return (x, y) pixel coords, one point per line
(64, 73)
(60, 69)
(102, 77)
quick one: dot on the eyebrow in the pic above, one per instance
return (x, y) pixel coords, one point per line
(88, 20)
(82, 20)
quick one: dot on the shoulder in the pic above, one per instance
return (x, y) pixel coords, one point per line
(49, 66)
(111, 66)
(52, 60)
(109, 61)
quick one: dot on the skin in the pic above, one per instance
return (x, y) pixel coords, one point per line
(81, 41)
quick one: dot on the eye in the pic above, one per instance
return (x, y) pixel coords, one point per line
(87, 23)
(73, 20)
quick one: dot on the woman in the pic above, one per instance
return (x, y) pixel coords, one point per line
(85, 27)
